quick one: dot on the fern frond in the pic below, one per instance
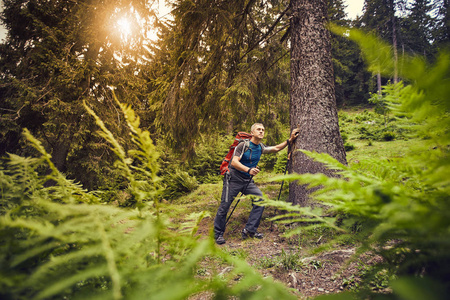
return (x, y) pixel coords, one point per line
(193, 221)
(108, 136)
(57, 287)
(111, 261)
(145, 153)
(66, 188)
(146, 149)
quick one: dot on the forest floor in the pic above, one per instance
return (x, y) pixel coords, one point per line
(294, 261)
(310, 275)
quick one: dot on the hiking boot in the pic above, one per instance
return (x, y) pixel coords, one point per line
(258, 235)
(247, 234)
(220, 240)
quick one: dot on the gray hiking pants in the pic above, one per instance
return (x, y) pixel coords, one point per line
(232, 185)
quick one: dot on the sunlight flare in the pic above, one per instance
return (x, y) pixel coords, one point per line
(124, 27)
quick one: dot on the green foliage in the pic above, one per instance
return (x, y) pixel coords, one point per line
(175, 179)
(139, 164)
(366, 132)
(209, 154)
(266, 262)
(240, 253)
(344, 137)
(178, 183)
(368, 277)
(418, 26)
(280, 165)
(225, 69)
(58, 54)
(349, 147)
(367, 125)
(290, 260)
(402, 203)
(268, 162)
(380, 104)
(59, 242)
(350, 73)
(388, 136)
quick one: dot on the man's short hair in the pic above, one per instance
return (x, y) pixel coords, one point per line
(254, 125)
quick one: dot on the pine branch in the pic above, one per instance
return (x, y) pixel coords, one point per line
(269, 31)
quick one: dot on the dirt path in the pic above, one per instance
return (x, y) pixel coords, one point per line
(278, 257)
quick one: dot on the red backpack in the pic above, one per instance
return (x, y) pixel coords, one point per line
(240, 137)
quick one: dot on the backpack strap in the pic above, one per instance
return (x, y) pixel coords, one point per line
(246, 147)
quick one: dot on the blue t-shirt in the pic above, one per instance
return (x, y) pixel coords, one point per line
(250, 158)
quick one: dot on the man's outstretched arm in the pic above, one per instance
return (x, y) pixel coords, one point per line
(283, 145)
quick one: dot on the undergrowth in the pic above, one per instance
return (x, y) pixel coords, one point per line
(400, 205)
(59, 241)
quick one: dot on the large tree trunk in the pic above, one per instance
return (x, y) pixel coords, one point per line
(313, 101)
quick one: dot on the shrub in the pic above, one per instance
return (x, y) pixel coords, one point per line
(344, 117)
(209, 153)
(366, 133)
(268, 162)
(388, 136)
(178, 184)
(290, 260)
(267, 262)
(280, 165)
(349, 147)
(364, 116)
(381, 106)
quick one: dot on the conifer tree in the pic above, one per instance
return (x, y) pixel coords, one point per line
(350, 74)
(226, 57)
(417, 28)
(57, 54)
(379, 19)
(222, 49)
(313, 103)
(441, 30)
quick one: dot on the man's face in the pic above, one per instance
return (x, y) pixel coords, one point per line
(258, 131)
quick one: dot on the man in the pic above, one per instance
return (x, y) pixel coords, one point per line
(244, 165)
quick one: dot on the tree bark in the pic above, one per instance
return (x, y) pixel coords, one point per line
(379, 83)
(59, 155)
(312, 98)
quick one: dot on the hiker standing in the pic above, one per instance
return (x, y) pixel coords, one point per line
(239, 178)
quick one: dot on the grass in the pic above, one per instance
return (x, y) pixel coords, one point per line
(380, 150)
(287, 260)
(372, 138)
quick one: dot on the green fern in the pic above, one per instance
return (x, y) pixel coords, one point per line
(401, 203)
(60, 242)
